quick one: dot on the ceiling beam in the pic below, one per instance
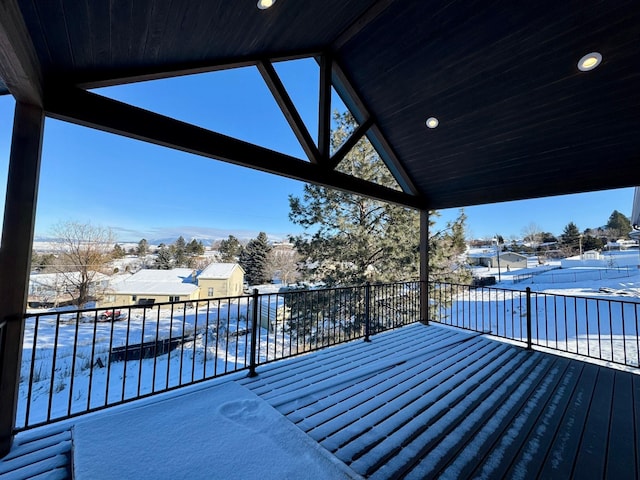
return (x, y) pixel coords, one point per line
(94, 111)
(324, 108)
(19, 65)
(289, 110)
(118, 76)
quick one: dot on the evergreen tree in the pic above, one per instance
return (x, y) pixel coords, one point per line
(179, 251)
(118, 251)
(619, 225)
(195, 248)
(254, 259)
(143, 248)
(164, 258)
(230, 249)
(590, 242)
(570, 238)
(354, 239)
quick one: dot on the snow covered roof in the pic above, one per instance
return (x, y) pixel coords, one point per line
(178, 281)
(218, 270)
(57, 279)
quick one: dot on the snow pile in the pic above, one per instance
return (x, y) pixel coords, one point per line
(223, 432)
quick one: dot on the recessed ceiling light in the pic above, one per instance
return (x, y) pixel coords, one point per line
(589, 61)
(264, 4)
(432, 122)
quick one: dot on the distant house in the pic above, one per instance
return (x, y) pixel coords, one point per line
(221, 280)
(154, 286)
(56, 289)
(489, 258)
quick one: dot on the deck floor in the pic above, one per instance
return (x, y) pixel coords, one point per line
(432, 402)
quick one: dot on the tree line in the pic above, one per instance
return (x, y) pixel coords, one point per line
(572, 239)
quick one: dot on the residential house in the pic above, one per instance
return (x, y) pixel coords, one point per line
(153, 286)
(221, 280)
(55, 289)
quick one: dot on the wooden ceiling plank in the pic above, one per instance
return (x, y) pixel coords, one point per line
(361, 113)
(289, 110)
(94, 111)
(361, 23)
(19, 65)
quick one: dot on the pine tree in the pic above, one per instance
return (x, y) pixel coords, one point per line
(355, 239)
(619, 225)
(118, 251)
(230, 249)
(179, 251)
(254, 259)
(164, 258)
(570, 238)
(194, 248)
(143, 248)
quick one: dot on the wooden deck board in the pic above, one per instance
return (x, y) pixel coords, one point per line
(435, 413)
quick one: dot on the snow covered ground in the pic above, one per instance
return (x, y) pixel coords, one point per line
(207, 342)
(595, 316)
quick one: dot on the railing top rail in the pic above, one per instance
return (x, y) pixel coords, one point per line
(536, 293)
(292, 292)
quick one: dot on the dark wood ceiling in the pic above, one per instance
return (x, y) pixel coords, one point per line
(517, 118)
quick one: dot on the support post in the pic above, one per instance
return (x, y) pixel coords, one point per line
(15, 255)
(424, 266)
(367, 312)
(528, 318)
(254, 333)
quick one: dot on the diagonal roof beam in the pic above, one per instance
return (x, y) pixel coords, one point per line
(346, 147)
(94, 111)
(360, 112)
(289, 110)
(19, 64)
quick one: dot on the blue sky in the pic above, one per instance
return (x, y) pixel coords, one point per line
(142, 190)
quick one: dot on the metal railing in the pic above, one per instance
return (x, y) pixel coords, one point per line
(78, 361)
(599, 328)
(578, 276)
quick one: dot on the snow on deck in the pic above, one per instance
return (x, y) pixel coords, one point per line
(417, 402)
(432, 402)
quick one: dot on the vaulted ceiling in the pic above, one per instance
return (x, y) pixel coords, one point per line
(517, 118)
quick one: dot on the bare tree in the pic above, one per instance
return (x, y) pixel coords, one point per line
(532, 234)
(83, 253)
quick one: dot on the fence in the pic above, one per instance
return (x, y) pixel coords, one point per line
(578, 275)
(78, 361)
(603, 329)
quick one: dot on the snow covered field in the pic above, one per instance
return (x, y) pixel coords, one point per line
(207, 341)
(596, 317)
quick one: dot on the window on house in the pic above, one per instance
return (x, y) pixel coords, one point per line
(134, 298)
(210, 292)
(174, 299)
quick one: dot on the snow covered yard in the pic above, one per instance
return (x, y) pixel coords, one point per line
(206, 342)
(595, 318)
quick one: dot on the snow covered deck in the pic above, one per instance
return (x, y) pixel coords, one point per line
(416, 402)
